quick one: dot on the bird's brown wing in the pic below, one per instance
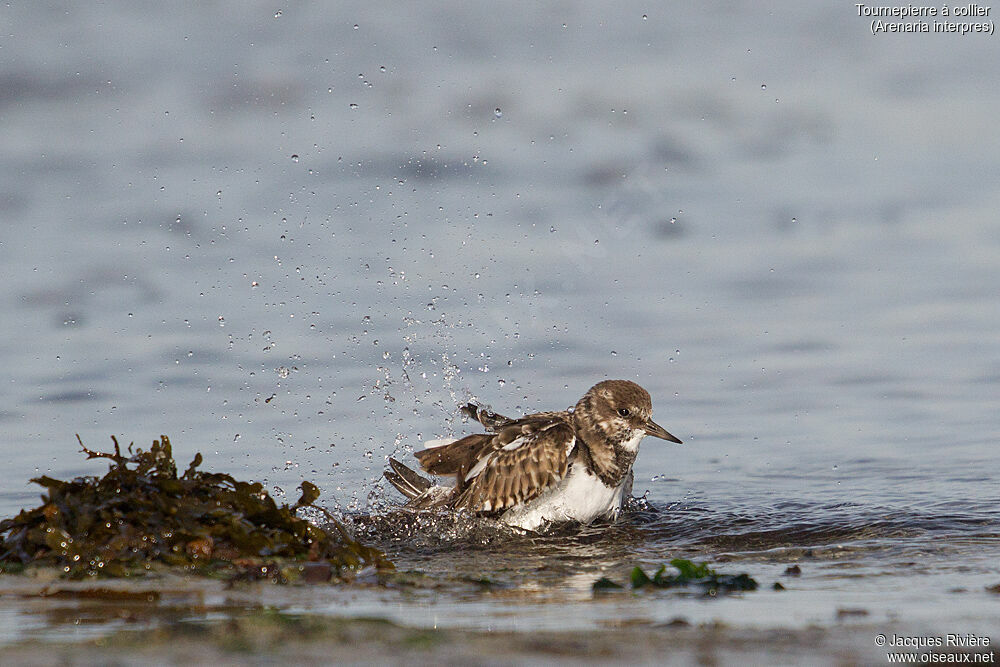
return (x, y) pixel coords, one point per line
(454, 458)
(522, 460)
(491, 420)
(494, 421)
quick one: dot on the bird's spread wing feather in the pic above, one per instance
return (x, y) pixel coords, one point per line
(409, 483)
(454, 458)
(522, 460)
(491, 420)
(494, 422)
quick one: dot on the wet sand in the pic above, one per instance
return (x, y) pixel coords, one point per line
(277, 638)
(194, 621)
(273, 638)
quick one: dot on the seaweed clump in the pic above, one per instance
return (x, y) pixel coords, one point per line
(689, 574)
(142, 513)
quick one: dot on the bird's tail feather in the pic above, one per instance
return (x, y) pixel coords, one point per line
(407, 481)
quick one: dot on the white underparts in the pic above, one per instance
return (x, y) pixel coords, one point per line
(581, 497)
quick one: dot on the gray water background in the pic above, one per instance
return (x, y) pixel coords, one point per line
(295, 238)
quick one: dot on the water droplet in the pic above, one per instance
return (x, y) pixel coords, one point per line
(277, 14)
(613, 353)
(295, 158)
(644, 17)
(763, 86)
(498, 112)
(353, 105)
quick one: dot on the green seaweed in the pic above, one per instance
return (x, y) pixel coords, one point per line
(605, 584)
(694, 574)
(689, 574)
(141, 514)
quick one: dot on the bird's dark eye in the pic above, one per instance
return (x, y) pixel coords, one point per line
(624, 412)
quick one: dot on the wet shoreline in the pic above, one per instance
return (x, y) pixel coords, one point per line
(267, 636)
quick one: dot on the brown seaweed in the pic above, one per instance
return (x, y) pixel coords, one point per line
(142, 514)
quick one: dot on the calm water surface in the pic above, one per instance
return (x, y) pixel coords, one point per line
(295, 241)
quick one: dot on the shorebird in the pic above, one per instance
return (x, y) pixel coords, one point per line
(541, 469)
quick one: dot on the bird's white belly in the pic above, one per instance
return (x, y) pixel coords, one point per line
(581, 497)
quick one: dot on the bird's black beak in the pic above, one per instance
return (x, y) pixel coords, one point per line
(657, 431)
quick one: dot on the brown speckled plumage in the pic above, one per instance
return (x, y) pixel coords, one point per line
(518, 460)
